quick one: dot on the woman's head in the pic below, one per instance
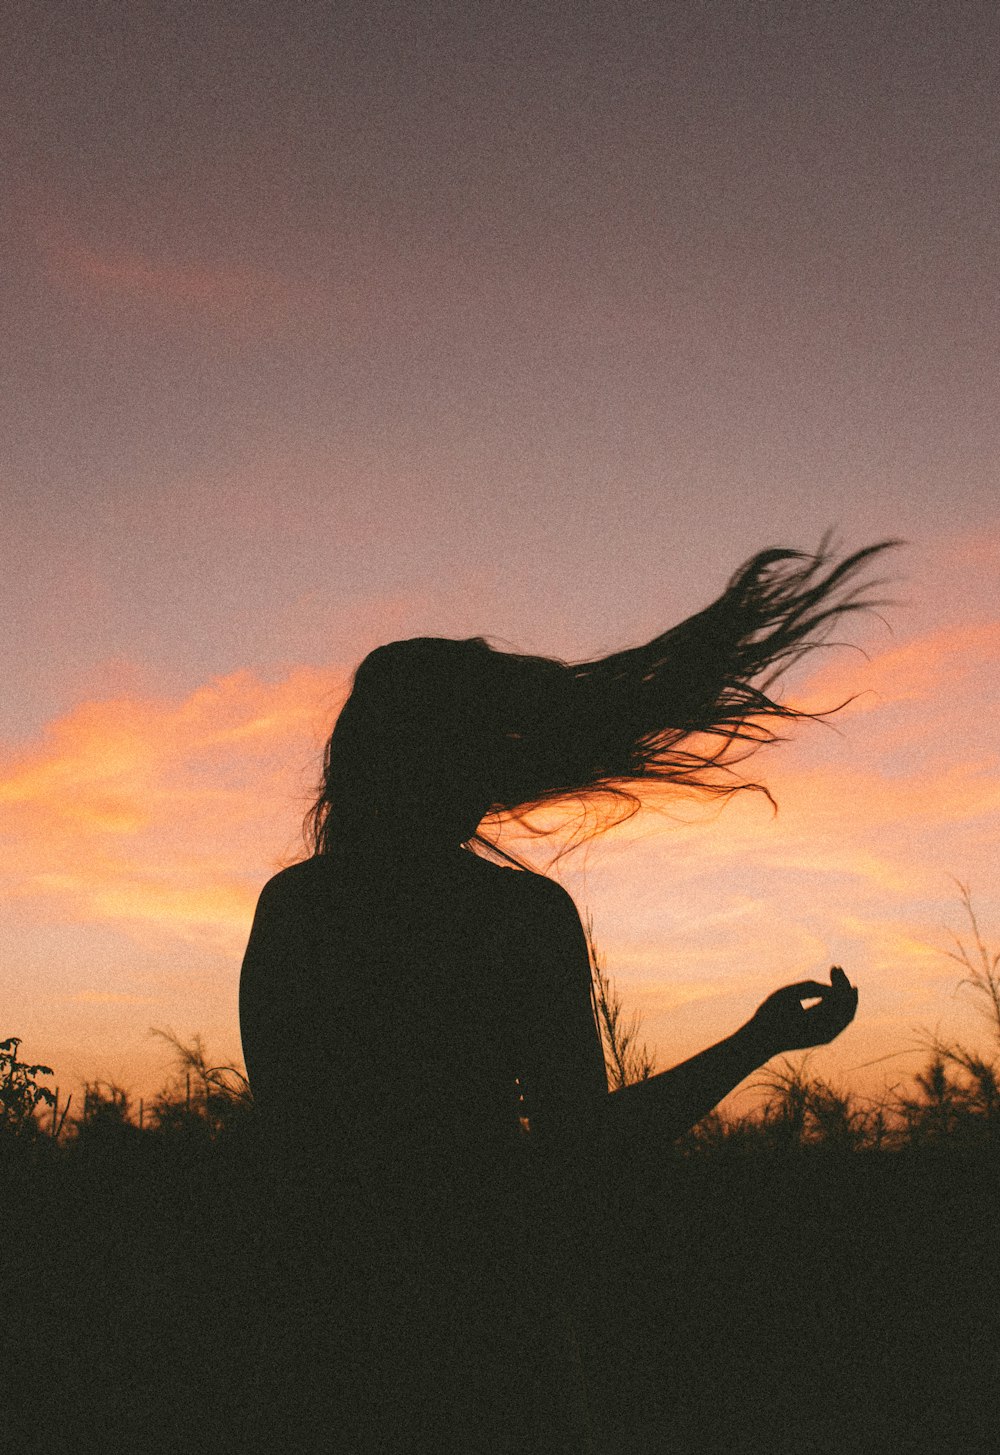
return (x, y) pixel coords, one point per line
(426, 742)
(436, 733)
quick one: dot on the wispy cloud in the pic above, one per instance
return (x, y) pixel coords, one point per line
(930, 669)
(139, 810)
(222, 291)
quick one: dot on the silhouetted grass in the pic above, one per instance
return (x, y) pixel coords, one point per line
(805, 1295)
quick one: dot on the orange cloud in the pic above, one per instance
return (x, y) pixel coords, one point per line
(927, 669)
(162, 812)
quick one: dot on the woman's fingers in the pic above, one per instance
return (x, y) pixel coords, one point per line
(839, 981)
(807, 989)
(794, 1025)
(815, 989)
(837, 1010)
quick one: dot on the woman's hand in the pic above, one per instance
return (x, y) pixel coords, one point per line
(783, 1023)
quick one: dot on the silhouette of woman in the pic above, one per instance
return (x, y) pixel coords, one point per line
(418, 1024)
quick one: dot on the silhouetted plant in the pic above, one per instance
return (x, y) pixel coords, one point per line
(720, 1134)
(626, 1061)
(963, 1106)
(806, 1110)
(210, 1100)
(981, 1092)
(20, 1093)
(960, 1089)
(106, 1114)
(783, 1116)
(935, 1115)
(983, 967)
(881, 1130)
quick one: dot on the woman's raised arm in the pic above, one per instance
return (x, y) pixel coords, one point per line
(670, 1104)
(665, 1106)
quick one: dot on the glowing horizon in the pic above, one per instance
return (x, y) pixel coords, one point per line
(139, 830)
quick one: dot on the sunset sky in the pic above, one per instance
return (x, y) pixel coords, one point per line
(328, 324)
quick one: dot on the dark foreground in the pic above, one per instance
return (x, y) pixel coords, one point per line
(802, 1304)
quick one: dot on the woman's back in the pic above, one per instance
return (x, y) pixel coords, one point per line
(394, 996)
(402, 1003)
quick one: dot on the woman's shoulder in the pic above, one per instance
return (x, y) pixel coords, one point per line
(292, 879)
(529, 895)
(318, 876)
(295, 889)
(529, 883)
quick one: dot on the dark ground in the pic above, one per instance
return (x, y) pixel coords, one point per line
(803, 1304)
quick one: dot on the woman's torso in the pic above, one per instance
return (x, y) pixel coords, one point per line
(389, 1012)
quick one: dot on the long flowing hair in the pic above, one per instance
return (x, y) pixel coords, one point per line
(435, 729)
